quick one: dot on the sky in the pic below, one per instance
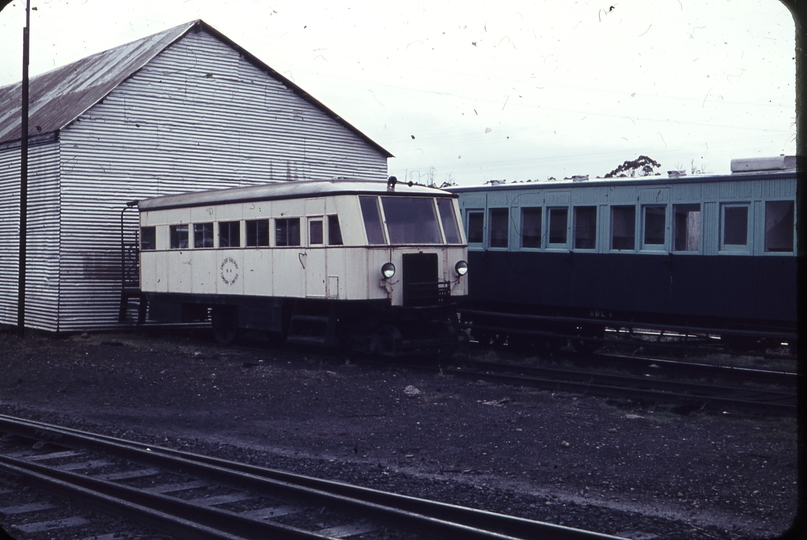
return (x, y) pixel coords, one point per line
(469, 91)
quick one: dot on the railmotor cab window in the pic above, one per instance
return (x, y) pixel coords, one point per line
(411, 220)
(449, 219)
(148, 238)
(372, 219)
(334, 231)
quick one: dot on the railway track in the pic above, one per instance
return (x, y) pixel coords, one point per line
(653, 385)
(191, 496)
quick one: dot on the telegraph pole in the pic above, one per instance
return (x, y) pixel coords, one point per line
(23, 174)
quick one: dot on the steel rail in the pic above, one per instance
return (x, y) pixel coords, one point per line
(429, 517)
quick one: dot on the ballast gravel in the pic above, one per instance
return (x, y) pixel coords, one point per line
(573, 460)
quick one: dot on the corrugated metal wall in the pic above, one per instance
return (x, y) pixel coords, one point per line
(196, 117)
(42, 269)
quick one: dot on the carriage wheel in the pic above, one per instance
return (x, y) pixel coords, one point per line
(224, 320)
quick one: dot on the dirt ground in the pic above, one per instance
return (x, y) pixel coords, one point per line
(569, 459)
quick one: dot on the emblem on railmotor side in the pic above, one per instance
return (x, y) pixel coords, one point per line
(229, 271)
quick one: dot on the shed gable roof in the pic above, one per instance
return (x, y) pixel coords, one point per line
(60, 96)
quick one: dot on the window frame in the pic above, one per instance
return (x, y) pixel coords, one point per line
(674, 229)
(289, 230)
(735, 248)
(575, 210)
(503, 212)
(611, 237)
(207, 228)
(229, 226)
(792, 228)
(152, 230)
(176, 236)
(539, 210)
(643, 229)
(474, 213)
(257, 235)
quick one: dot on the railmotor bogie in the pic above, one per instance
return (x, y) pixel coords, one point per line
(365, 265)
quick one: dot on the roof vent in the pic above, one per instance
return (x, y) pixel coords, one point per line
(778, 163)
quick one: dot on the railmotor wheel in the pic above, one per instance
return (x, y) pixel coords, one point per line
(224, 320)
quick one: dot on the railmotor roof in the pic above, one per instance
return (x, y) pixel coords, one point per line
(288, 190)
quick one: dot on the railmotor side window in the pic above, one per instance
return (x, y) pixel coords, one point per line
(531, 227)
(686, 227)
(372, 219)
(411, 220)
(229, 234)
(148, 238)
(779, 226)
(497, 230)
(287, 232)
(203, 235)
(179, 236)
(257, 233)
(623, 227)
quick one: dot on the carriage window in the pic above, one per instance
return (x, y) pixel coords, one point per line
(179, 236)
(257, 233)
(686, 227)
(202, 235)
(411, 220)
(334, 231)
(476, 227)
(655, 223)
(779, 226)
(558, 224)
(531, 227)
(498, 227)
(585, 227)
(449, 219)
(230, 234)
(372, 220)
(148, 238)
(623, 227)
(735, 226)
(315, 232)
(287, 232)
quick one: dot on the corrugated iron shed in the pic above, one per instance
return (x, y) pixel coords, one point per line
(61, 95)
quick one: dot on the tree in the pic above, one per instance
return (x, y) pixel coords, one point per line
(642, 165)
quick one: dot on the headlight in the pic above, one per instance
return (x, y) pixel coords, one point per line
(388, 270)
(461, 268)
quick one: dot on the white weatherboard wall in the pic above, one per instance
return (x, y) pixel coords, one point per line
(198, 116)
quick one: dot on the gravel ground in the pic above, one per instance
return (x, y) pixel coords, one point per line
(567, 459)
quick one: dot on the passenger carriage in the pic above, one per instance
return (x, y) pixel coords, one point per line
(709, 254)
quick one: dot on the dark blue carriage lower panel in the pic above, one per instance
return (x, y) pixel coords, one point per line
(684, 289)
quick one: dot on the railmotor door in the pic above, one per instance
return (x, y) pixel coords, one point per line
(420, 286)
